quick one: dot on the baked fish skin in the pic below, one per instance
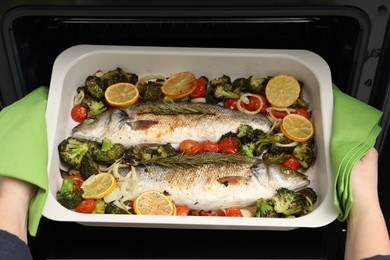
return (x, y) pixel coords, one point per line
(211, 186)
(129, 126)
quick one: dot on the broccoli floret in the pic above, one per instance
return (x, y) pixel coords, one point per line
(265, 209)
(72, 151)
(165, 150)
(255, 85)
(108, 152)
(116, 76)
(308, 198)
(100, 207)
(241, 84)
(111, 208)
(88, 166)
(93, 86)
(66, 196)
(248, 149)
(137, 155)
(222, 93)
(151, 92)
(205, 80)
(287, 202)
(95, 107)
(245, 131)
(221, 88)
(275, 158)
(304, 153)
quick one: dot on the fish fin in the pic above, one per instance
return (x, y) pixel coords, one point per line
(233, 180)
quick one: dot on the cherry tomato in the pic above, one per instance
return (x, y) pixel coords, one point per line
(292, 163)
(278, 114)
(228, 145)
(78, 181)
(265, 104)
(190, 147)
(233, 212)
(86, 206)
(303, 112)
(205, 213)
(210, 147)
(182, 210)
(79, 113)
(231, 103)
(254, 104)
(200, 89)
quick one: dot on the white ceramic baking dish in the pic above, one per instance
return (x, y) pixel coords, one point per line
(73, 66)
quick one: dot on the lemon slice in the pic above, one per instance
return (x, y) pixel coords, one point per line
(98, 186)
(297, 128)
(282, 90)
(154, 203)
(179, 85)
(121, 94)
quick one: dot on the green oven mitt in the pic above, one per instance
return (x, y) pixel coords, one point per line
(354, 133)
(23, 134)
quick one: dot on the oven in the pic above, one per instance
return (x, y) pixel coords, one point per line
(351, 36)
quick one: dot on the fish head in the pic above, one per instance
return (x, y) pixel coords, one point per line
(274, 176)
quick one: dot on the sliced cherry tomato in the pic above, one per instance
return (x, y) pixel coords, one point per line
(231, 103)
(205, 213)
(78, 181)
(86, 206)
(254, 104)
(182, 210)
(210, 147)
(278, 114)
(200, 89)
(265, 104)
(292, 163)
(303, 112)
(79, 113)
(233, 212)
(228, 145)
(190, 147)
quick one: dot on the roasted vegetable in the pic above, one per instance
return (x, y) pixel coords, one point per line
(95, 107)
(304, 153)
(88, 166)
(66, 196)
(116, 76)
(137, 155)
(100, 207)
(111, 208)
(151, 92)
(255, 85)
(222, 92)
(94, 87)
(108, 152)
(287, 202)
(165, 150)
(308, 198)
(72, 151)
(265, 209)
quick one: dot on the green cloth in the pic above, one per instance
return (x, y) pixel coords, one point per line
(24, 147)
(354, 133)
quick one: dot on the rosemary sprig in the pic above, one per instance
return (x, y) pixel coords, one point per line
(171, 108)
(189, 161)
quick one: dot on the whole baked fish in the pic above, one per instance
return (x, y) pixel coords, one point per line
(161, 123)
(212, 186)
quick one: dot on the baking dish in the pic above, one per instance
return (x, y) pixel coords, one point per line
(74, 64)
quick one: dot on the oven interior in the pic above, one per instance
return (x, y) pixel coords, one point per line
(343, 36)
